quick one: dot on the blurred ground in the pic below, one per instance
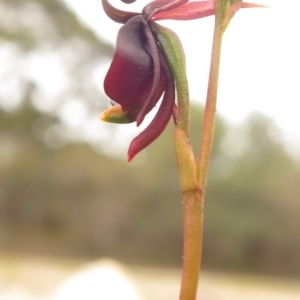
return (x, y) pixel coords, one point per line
(32, 278)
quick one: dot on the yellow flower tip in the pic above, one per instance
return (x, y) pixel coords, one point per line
(115, 114)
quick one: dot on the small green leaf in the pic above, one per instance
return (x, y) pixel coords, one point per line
(174, 54)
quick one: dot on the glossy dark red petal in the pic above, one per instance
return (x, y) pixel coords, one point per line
(157, 88)
(161, 119)
(130, 76)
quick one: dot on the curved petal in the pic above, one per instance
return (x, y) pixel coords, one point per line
(188, 11)
(157, 6)
(175, 114)
(153, 98)
(171, 5)
(161, 119)
(155, 93)
(117, 15)
(151, 7)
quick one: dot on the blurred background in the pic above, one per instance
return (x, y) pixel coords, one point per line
(67, 194)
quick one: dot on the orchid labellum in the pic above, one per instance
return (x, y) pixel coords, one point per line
(139, 74)
(137, 78)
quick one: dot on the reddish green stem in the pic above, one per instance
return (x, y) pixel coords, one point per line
(210, 109)
(192, 242)
(192, 179)
(193, 201)
(193, 216)
(193, 197)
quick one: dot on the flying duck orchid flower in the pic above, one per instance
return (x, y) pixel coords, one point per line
(139, 74)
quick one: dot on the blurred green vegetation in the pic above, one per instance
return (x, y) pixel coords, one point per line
(64, 198)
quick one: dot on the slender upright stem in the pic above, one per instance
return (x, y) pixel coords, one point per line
(210, 108)
(192, 176)
(192, 243)
(191, 193)
(193, 198)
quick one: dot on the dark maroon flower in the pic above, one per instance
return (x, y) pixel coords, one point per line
(137, 78)
(139, 73)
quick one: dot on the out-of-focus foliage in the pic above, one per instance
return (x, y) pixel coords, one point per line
(252, 208)
(47, 53)
(75, 201)
(62, 198)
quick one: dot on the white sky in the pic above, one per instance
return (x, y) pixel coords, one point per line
(260, 68)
